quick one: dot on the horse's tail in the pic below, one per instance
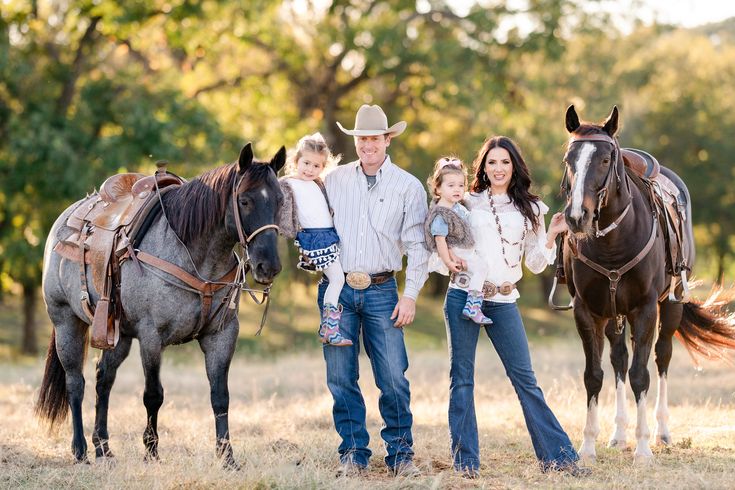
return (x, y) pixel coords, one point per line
(53, 399)
(707, 328)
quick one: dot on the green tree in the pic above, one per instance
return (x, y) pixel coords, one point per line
(74, 110)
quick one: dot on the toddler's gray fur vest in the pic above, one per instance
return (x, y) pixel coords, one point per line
(460, 234)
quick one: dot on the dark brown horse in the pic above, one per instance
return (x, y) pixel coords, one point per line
(616, 270)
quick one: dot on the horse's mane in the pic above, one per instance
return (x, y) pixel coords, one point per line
(198, 207)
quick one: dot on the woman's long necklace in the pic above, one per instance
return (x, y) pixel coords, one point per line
(503, 240)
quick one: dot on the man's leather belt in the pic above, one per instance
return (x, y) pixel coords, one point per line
(363, 280)
(489, 289)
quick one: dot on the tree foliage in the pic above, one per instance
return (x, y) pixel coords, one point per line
(94, 87)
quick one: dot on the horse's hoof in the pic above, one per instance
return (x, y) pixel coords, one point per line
(231, 465)
(617, 444)
(587, 459)
(643, 458)
(84, 460)
(152, 458)
(663, 439)
(108, 460)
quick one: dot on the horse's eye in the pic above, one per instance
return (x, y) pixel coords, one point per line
(245, 202)
(606, 161)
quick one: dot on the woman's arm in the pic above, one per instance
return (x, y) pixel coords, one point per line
(557, 225)
(540, 245)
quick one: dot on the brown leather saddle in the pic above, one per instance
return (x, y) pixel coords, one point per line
(105, 225)
(671, 205)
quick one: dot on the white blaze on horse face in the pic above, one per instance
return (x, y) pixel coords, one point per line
(618, 438)
(584, 157)
(643, 452)
(264, 193)
(591, 429)
(663, 436)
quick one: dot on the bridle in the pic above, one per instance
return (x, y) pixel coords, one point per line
(603, 192)
(235, 280)
(243, 259)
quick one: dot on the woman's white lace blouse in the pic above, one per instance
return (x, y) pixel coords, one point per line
(490, 248)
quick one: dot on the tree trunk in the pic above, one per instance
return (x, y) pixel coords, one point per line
(721, 267)
(30, 300)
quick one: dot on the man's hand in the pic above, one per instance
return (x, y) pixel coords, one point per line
(404, 312)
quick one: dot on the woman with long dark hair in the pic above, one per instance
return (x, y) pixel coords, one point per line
(508, 224)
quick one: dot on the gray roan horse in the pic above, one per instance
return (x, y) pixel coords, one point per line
(197, 231)
(619, 273)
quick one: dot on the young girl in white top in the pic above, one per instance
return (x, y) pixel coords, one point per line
(448, 235)
(306, 216)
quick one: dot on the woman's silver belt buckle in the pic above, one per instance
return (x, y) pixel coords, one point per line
(358, 280)
(489, 289)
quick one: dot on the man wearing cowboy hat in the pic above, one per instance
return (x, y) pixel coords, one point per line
(379, 211)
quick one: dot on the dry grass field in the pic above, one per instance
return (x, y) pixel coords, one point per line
(282, 431)
(281, 425)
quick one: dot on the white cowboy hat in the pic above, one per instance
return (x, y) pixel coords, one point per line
(372, 121)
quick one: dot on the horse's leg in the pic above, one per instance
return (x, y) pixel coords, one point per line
(670, 319)
(218, 349)
(150, 354)
(643, 322)
(106, 372)
(71, 346)
(591, 330)
(619, 361)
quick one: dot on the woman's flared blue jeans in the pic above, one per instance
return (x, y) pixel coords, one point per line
(551, 444)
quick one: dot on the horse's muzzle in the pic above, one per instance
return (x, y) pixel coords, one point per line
(581, 224)
(265, 271)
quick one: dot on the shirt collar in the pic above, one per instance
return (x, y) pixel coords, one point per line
(386, 167)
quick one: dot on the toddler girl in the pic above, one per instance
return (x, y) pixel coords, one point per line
(449, 237)
(306, 216)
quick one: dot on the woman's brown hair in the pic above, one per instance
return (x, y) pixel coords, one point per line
(520, 182)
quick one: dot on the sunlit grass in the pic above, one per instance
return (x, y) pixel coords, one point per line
(282, 432)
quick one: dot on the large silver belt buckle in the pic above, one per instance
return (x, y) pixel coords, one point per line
(461, 279)
(358, 280)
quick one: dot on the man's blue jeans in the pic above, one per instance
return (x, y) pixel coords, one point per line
(551, 444)
(368, 311)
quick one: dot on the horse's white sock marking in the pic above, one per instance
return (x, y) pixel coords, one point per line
(591, 430)
(642, 433)
(663, 436)
(581, 166)
(621, 416)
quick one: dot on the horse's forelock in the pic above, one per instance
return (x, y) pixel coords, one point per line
(255, 176)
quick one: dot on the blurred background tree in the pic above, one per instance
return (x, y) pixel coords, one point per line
(91, 88)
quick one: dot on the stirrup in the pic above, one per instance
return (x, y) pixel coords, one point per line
(684, 287)
(551, 299)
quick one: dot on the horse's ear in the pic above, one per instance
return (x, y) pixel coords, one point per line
(279, 160)
(611, 123)
(572, 120)
(246, 158)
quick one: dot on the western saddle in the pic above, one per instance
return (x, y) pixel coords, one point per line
(672, 208)
(106, 226)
